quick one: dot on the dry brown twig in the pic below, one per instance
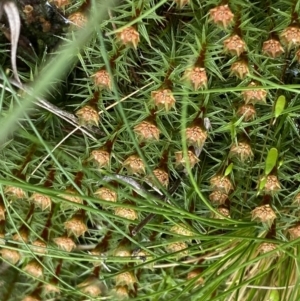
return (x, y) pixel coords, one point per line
(14, 21)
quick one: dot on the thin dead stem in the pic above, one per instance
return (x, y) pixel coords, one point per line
(14, 21)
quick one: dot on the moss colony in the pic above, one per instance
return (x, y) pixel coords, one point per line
(181, 180)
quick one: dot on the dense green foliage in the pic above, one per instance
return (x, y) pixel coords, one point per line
(226, 220)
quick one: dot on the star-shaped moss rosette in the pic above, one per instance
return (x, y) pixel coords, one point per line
(148, 201)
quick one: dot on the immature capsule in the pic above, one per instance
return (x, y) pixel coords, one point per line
(239, 69)
(163, 99)
(178, 247)
(71, 198)
(30, 298)
(127, 213)
(21, 236)
(241, 150)
(196, 76)
(38, 246)
(41, 200)
(294, 232)
(121, 292)
(12, 256)
(126, 278)
(76, 226)
(195, 274)
(181, 229)
(272, 184)
(91, 287)
(129, 37)
(182, 3)
(102, 79)
(266, 247)
(191, 159)
(221, 183)
(65, 243)
(35, 269)
(297, 199)
(122, 251)
(254, 96)
(221, 15)
(87, 115)
(147, 131)
(290, 36)
(100, 157)
(218, 198)
(234, 45)
(247, 111)
(2, 213)
(134, 165)
(61, 3)
(106, 194)
(162, 176)
(272, 48)
(29, 14)
(224, 212)
(15, 192)
(77, 19)
(195, 136)
(50, 288)
(264, 214)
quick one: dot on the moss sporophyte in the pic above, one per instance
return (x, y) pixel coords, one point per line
(149, 150)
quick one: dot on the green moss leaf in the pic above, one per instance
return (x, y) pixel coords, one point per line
(228, 169)
(271, 160)
(279, 106)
